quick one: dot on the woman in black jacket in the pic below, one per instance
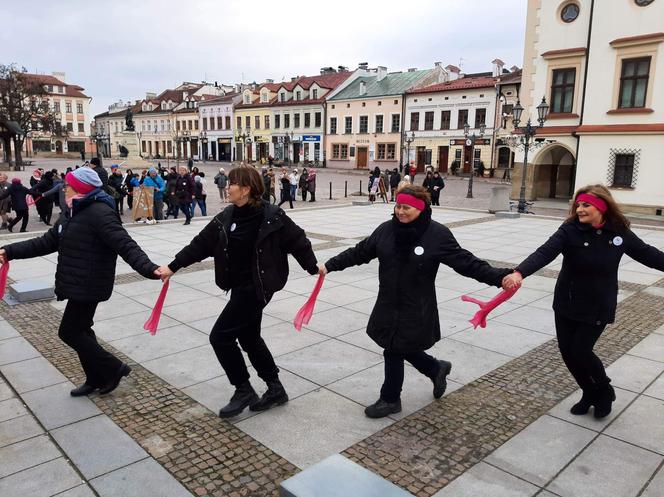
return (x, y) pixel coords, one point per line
(88, 243)
(404, 320)
(592, 241)
(250, 241)
(18, 192)
(44, 204)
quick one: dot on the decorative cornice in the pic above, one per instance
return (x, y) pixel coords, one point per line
(565, 52)
(638, 40)
(655, 128)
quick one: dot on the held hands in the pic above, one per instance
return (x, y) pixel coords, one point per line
(511, 281)
(164, 273)
(322, 270)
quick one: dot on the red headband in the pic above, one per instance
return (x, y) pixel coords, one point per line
(407, 199)
(591, 199)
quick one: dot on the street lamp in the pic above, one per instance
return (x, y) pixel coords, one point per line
(100, 137)
(204, 141)
(408, 139)
(243, 137)
(528, 131)
(470, 142)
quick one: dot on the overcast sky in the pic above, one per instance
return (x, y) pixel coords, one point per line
(120, 49)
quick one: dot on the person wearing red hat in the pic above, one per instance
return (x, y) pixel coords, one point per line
(592, 241)
(404, 320)
(88, 242)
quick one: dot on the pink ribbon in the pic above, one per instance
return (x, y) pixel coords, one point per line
(303, 316)
(479, 319)
(153, 321)
(4, 269)
(30, 200)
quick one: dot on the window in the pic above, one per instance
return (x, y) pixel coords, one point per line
(634, 82)
(298, 95)
(282, 97)
(286, 120)
(177, 124)
(333, 125)
(68, 107)
(70, 127)
(381, 151)
(267, 122)
(212, 120)
(364, 124)
(228, 122)
(335, 151)
(277, 121)
(428, 120)
(379, 124)
(81, 129)
(343, 151)
(247, 98)
(247, 122)
(504, 156)
(396, 123)
(414, 121)
(570, 12)
(348, 129)
(463, 118)
(79, 108)
(56, 106)
(143, 145)
(314, 93)
(205, 124)
(220, 122)
(624, 170)
(391, 151)
(316, 151)
(562, 90)
(257, 122)
(318, 119)
(263, 97)
(307, 120)
(445, 118)
(480, 117)
(296, 120)
(195, 124)
(170, 146)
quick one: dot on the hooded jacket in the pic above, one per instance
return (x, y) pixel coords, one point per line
(88, 244)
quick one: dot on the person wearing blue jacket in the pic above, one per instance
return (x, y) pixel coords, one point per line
(153, 180)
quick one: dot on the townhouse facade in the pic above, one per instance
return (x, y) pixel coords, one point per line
(217, 127)
(253, 123)
(595, 62)
(364, 118)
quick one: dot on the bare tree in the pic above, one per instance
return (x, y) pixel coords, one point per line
(23, 99)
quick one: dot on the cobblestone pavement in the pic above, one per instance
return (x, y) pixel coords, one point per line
(505, 379)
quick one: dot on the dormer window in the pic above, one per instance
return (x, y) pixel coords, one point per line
(298, 95)
(247, 98)
(314, 93)
(264, 97)
(282, 96)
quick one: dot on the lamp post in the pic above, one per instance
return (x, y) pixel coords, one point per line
(408, 139)
(470, 142)
(528, 131)
(204, 141)
(243, 137)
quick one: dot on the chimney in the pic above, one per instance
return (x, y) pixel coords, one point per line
(381, 72)
(363, 65)
(237, 87)
(412, 69)
(342, 68)
(514, 68)
(437, 64)
(497, 67)
(363, 88)
(454, 72)
(150, 95)
(59, 75)
(269, 81)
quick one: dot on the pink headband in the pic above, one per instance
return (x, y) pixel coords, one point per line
(407, 199)
(596, 202)
(77, 184)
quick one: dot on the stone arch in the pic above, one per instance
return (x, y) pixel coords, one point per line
(555, 168)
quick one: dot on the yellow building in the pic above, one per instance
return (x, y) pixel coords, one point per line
(253, 126)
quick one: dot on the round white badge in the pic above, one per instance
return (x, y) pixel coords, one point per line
(617, 241)
(233, 226)
(419, 250)
(59, 228)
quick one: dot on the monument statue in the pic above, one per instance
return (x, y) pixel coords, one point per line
(129, 121)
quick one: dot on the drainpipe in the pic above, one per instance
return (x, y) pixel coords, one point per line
(583, 97)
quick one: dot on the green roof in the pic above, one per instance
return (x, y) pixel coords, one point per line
(392, 84)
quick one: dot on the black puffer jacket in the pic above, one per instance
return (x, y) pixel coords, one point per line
(17, 193)
(88, 244)
(587, 285)
(405, 316)
(278, 236)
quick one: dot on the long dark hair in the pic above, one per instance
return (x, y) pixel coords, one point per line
(613, 213)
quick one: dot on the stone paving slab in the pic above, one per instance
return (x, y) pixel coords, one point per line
(26, 454)
(140, 479)
(486, 480)
(32, 374)
(18, 429)
(54, 407)
(43, 480)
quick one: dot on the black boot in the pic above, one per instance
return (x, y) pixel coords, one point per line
(83, 390)
(115, 381)
(605, 397)
(380, 409)
(244, 396)
(583, 405)
(440, 381)
(274, 396)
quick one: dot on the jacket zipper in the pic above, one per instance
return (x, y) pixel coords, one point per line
(258, 272)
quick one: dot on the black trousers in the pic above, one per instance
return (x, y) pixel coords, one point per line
(576, 341)
(394, 366)
(435, 198)
(240, 321)
(21, 215)
(286, 197)
(76, 331)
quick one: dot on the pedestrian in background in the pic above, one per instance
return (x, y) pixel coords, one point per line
(184, 193)
(95, 165)
(170, 197)
(395, 179)
(17, 192)
(158, 185)
(221, 180)
(437, 184)
(302, 184)
(6, 203)
(129, 187)
(404, 321)
(116, 188)
(294, 182)
(200, 195)
(311, 185)
(592, 240)
(285, 180)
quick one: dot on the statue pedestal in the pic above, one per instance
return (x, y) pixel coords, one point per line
(129, 140)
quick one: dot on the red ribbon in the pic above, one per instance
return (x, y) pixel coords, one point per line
(303, 316)
(479, 319)
(153, 321)
(4, 269)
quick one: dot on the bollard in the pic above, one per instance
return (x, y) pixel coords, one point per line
(330, 190)
(361, 193)
(345, 189)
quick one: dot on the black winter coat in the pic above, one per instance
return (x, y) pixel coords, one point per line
(185, 188)
(17, 194)
(88, 244)
(103, 176)
(587, 285)
(278, 236)
(405, 316)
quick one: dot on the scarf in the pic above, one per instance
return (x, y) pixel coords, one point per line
(406, 235)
